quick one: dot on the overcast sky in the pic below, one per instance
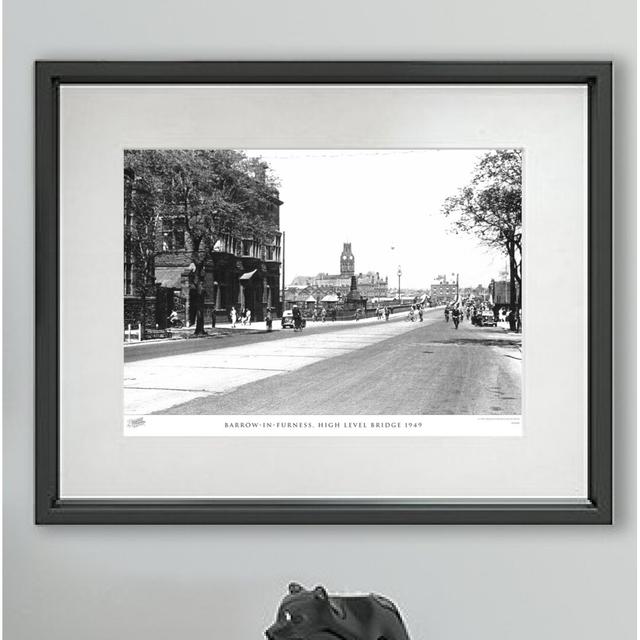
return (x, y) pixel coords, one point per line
(387, 204)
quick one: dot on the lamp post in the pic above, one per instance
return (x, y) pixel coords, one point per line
(399, 274)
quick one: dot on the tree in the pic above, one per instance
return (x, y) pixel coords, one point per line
(218, 193)
(142, 210)
(214, 194)
(490, 207)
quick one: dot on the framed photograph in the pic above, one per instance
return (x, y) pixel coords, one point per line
(323, 292)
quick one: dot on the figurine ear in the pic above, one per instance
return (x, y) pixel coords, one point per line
(294, 587)
(320, 593)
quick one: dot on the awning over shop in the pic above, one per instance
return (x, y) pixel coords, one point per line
(169, 277)
(247, 275)
(310, 299)
(331, 297)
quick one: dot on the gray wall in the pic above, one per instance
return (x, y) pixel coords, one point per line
(206, 582)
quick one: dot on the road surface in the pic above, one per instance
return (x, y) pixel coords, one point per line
(371, 367)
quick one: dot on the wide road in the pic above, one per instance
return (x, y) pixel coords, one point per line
(365, 368)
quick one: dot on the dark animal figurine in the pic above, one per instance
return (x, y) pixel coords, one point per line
(315, 615)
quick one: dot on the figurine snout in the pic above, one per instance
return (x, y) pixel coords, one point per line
(279, 631)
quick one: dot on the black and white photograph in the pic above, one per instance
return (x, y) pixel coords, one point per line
(322, 291)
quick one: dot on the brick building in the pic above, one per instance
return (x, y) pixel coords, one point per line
(443, 291)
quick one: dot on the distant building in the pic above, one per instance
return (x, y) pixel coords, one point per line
(347, 261)
(369, 285)
(443, 291)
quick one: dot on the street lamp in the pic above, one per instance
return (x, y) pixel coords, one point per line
(399, 274)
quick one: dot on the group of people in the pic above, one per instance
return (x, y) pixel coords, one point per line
(323, 314)
(244, 317)
(475, 312)
(414, 312)
(382, 312)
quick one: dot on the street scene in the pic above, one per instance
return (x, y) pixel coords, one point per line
(231, 306)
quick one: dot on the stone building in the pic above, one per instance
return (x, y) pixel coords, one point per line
(240, 272)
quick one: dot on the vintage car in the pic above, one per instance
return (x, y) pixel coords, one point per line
(485, 318)
(287, 320)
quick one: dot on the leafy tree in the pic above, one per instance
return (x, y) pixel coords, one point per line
(142, 211)
(490, 207)
(214, 193)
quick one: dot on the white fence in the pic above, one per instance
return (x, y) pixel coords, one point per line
(133, 335)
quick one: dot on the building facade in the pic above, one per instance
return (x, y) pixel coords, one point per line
(239, 272)
(443, 291)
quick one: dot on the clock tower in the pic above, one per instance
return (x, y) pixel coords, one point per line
(347, 262)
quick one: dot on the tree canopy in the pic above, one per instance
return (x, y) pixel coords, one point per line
(490, 206)
(215, 192)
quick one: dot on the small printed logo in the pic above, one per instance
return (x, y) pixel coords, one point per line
(133, 423)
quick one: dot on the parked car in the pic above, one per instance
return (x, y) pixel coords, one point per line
(287, 320)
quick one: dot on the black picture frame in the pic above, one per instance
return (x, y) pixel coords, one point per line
(50, 509)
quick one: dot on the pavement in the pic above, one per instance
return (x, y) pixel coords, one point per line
(370, 366)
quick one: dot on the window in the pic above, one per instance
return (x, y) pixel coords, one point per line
(172, 234)
(167, 235)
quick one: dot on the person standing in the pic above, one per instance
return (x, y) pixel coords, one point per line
(297, 318)
(420, 313)
(323, 314)
(233, 316)
(386, 314)
(247, 317)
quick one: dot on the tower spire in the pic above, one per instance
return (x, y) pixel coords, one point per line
(347, 261)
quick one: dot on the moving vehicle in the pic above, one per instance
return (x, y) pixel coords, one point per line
(287, 320)
(485, 319)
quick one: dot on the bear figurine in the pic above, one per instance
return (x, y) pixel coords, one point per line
(315, 615)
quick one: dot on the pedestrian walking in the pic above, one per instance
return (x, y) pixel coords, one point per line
(420, 313)
(386, 313)
(233, 316)
(323, 314)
